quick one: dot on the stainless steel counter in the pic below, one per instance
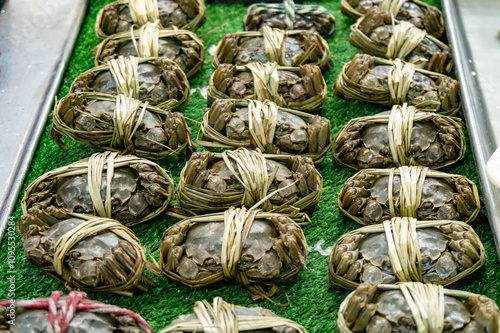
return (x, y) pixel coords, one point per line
(472, 28)
(36, 39)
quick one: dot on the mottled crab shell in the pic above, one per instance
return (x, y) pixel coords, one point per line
(267, 248)
(349, 86)
(300, 47)
(89, 253)
(244, 318)
(429, 17)
(427, 52)
(204, 200)
(385, 308)
(196, 12)
(90, 119)
(370, 136)
(373, 262)
(139, 187)
(83, 315)
(295, 132)
(171, 44)
(161, 82)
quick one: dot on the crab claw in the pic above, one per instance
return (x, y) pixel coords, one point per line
(223, 77)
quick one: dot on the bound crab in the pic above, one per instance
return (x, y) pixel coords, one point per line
(404, 250)
(416, 307)
(121, 124)
(213, 182)
(289, 16)
(90, 254)
(376, 195)
(402, 136)
(133, 191)
(222, 316)
(254, 248)
(264, 125)
(376, 34)
(68, 314)
(158, 81)
(123, 15)
(418, 13)
(287, 48)
(386, 82)
(302, 89)
(181, 46)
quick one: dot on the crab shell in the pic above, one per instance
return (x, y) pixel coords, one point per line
(372, 33)
(239, 313)
(421, 15)
(296, 132)
(208, 185)
(436, 141)
(273, 15)
(364, 197)
(300, 47)
(450, 250)
(162, 83)
(366, 78)
(107, 260)
(140, 190)
(181, 46)
(89, 119)
(384, 309)
(173, 14)
(300, 88)
(274, 251)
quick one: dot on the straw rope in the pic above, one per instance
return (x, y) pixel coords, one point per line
(143, 11)
(222, 317)
(404, 39)
(399, 80)
(149, 35)
(62, 311)
(110, 161)
(262, 121)
(410, 192)
(399, 128)
(127, 118)
(266, 81)
(392, 6)
(274, 44)
(124, 71)
(404, 251)
(427, 302)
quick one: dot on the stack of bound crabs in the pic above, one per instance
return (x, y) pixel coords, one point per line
(416, 237)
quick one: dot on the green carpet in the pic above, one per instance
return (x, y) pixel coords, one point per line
(313, 303)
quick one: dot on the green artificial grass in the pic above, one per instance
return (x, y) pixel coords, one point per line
(313, 303)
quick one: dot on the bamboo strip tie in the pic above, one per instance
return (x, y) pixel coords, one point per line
(405, 38)
(404, 251)
(266, 81)
(124, 71)
(143, 11)
(426, 304)
(410, 191)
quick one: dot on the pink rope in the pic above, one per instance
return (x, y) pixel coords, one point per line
(62, 311)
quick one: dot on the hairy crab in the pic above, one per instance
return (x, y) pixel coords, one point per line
(402, 136)
(418, 13)
(301, 88)
(213, 182)
(381, 81)
(134, 190)
(264, 125)
(181, 46)
(89, 253)
(222, 316)
(158, 81)
(376, 195)
(68, 314)
(376, 34)
(121, 124)
(289, 16)
(416, 307)
(252, 247)
(405, 250)
(287, 48)
(122, 15)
